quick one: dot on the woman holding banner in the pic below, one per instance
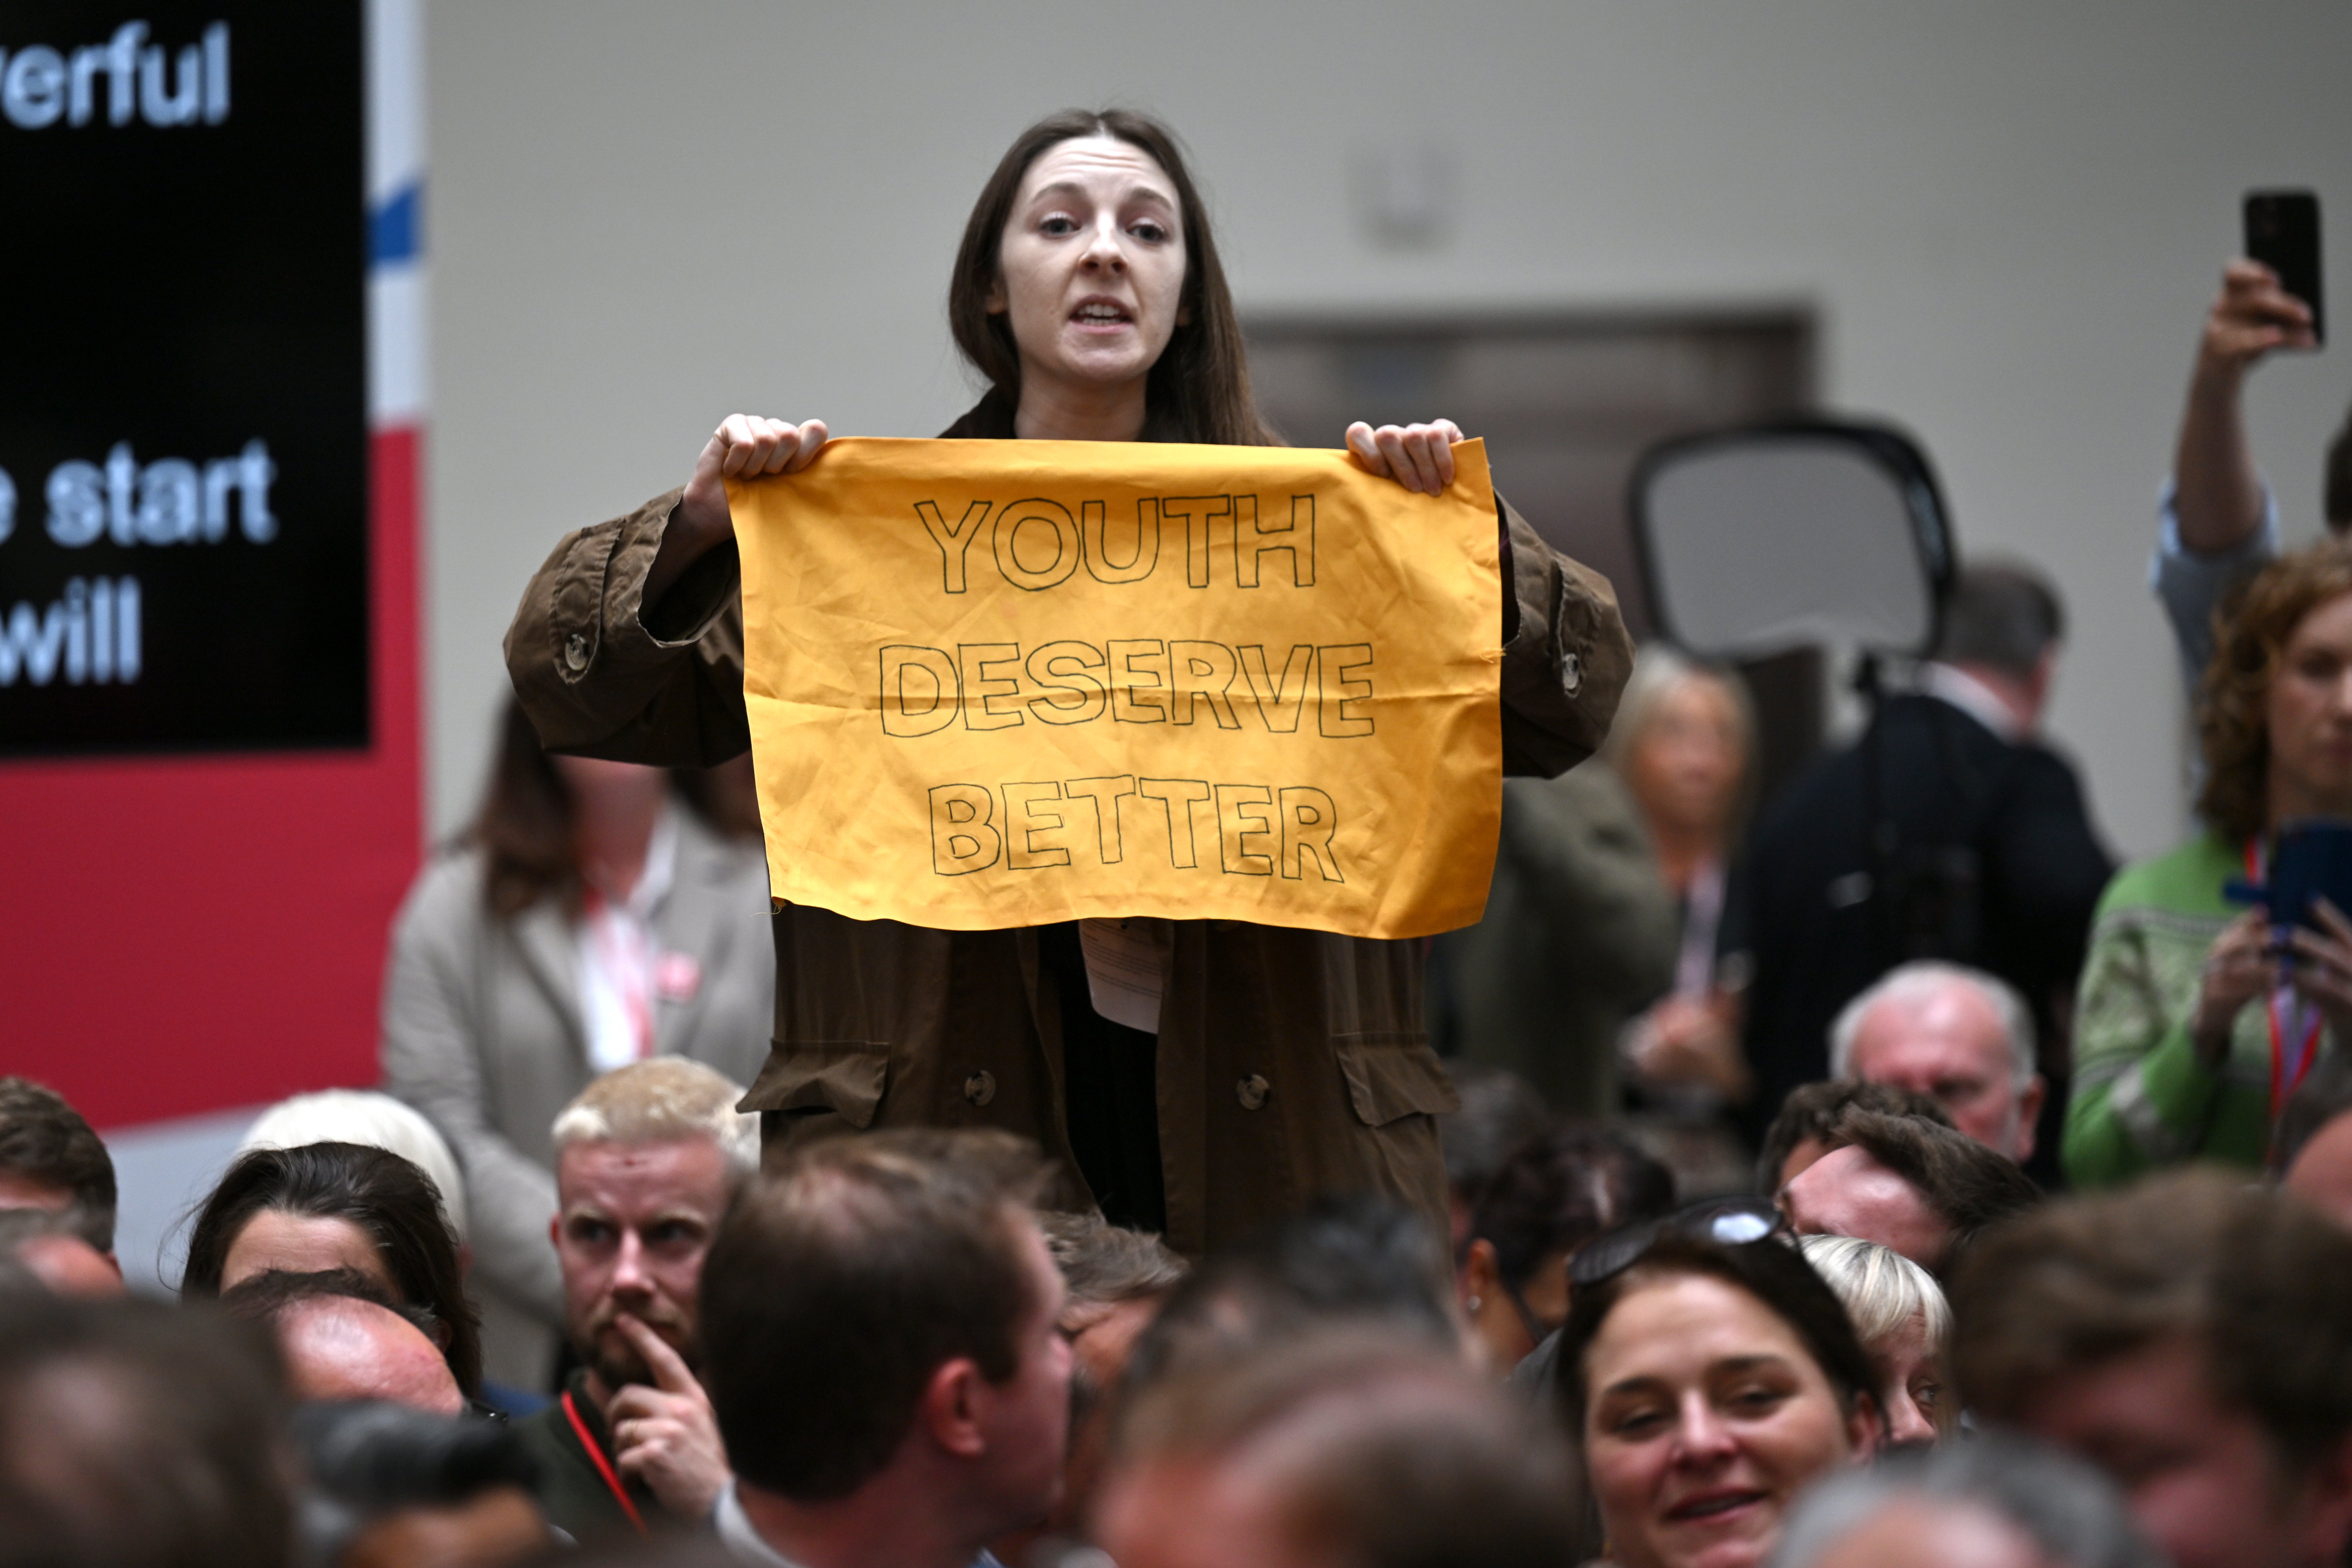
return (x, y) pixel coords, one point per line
(1251, 1068)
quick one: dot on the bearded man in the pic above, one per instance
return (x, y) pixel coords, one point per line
(648, 1158)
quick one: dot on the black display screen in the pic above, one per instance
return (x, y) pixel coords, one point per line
(183, 378)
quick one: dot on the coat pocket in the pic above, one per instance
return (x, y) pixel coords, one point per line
(1392, 1076)
(846, 1077)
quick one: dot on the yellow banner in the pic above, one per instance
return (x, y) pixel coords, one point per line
(1007, 683)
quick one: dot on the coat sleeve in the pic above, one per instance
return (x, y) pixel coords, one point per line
(602, 674)
(431, 1034)
(1565, 655)
(2142, 1097)
(1588, 865)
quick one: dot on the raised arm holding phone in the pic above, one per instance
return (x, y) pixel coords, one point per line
(2217, 521)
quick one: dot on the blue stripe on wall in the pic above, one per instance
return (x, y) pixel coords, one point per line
(396, 228)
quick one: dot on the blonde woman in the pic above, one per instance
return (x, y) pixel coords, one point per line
(1685, 745)
(1905, 1324)
(1607, 899)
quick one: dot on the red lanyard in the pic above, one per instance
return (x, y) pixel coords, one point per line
(603, 1466)
(2290, 1017)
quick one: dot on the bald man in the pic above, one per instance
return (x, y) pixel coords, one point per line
(1962, 1038)
(337, 1347)
(342, 1339)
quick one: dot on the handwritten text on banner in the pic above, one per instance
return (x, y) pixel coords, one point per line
(1007, 683)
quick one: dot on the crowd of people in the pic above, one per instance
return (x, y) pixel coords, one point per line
(1870, 1173)
(888, 1349)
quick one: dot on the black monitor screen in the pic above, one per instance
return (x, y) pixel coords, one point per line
(183, 378)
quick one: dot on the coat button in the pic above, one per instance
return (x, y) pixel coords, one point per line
(981, 1086)
(1252, 1091)
(1571, 674)
(575, 651)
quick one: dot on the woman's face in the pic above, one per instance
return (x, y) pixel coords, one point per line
(1686, 765)
(1706, 1416)
(1090, 271)
(1909, 1371)
(2309, 713)
(594, 779)
(303, 1243)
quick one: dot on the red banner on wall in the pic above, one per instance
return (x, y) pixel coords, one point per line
(182, 934)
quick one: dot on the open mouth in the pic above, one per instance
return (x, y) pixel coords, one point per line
(1712, 1506)
(1101, 314)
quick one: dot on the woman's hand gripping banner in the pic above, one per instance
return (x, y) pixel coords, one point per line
(1007, 683)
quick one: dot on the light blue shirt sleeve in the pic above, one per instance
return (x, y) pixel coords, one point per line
(2190, 586)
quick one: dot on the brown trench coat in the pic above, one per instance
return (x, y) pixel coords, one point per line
(1291, 1063)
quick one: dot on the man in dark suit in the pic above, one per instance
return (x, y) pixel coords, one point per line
(1946, 831)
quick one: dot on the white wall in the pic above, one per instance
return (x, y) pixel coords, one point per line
(2010, 215)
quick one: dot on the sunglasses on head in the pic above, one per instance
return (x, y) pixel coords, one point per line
(1730, 1222)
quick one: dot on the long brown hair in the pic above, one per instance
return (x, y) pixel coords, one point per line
(2250, 637)
(525, 825)
(394, 1203)
(1199, 388)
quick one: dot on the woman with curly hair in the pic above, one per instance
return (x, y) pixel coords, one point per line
(2195, 1021)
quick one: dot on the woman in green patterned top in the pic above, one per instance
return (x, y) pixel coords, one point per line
(2191, 1027)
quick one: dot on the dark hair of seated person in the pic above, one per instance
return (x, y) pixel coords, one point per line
(1359, 1258)
(2004, 617)
(1383, 1451)
(386, 1197)
(1971, 1186)
(1774, 1273)
(43, 1140)
(1559, 1191)
(845, 1278)
(1500, 1111)
(139, 1435)
(2247, 1274)
(267, 1295)
(1811, 1110)
(364, 1459)
(18, 1227)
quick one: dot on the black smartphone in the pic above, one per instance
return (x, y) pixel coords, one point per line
(2283, 234)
